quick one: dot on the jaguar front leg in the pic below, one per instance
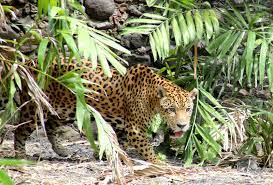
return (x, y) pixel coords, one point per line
(137, 138)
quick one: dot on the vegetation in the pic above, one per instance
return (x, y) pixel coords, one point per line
(233, 45)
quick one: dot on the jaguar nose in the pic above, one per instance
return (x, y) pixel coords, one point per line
(182, 126)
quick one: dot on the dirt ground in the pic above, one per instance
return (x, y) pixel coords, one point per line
(83, 169)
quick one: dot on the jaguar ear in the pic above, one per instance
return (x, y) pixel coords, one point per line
(193, 93)
(161, 92)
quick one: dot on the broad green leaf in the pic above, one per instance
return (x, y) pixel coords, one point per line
(198, 24)
(231, 18)
(165, 40)
(5, 179)
(80, 111)
(199, 147)
(147, 21)
(94, 54)
(160, 43)
(263, 54)
(206, 136)
(41, 53)
(191, 26)
(183, 29)
(236, 45)
(154, 16)
(270, 71)
(249, 53)
(117, 65)
(188, 154)
(214, 21)
(103, 62)
(55, 11)
(150, 2)
(84, 43)
(208, 24)
(176, 32)
(240, 17)
(71, 44)
(205, 116)
(17, 80)
(15, 162)
(153, 47)
(215, 44)
(109, 42)
(228, 43)
(157, 44)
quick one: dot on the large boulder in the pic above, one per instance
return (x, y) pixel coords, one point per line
(99, 9)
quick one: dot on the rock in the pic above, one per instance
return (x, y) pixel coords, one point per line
(137, 59)
(120, 1)
(133, 10)
(99, 9)
(133, 41)
(6, 32)
(101, 25)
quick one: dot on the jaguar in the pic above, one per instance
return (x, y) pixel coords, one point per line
(127, 103)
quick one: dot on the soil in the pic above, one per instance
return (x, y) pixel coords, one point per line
(83, 169)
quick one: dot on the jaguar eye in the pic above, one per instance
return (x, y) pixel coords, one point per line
(188, 109)
(172, 109)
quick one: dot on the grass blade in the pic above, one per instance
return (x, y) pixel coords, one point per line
(263, 54)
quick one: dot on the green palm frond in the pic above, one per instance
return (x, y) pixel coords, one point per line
(245, 43)
(184, 28)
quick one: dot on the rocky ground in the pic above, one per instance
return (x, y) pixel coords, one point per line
(82, 168)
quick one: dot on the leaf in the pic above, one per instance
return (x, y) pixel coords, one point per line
(206, 136)
(94, 54)
(84, 43)
(249, 53)
(214, 21)
(236, 45)
(208, 24)
(198, 24)
(71, 44)
(191, 26)
(117, 65)
(227, 44)
(240, 17)
(176, 32)
(199, 147)
(80, 111)
(160, 43)
(109, 42)
(103, 62)
(153, 47)
(263, 54)
(270, 71)
(183, 29)
(15, 162)
(147, 21)
(154, 16)
(5, 179)
(188, 154)
(17, 80)
(216, 43)
(165, 40)
(41, 52)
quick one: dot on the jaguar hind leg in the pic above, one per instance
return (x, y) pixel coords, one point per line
(54, 138)
(21, 134)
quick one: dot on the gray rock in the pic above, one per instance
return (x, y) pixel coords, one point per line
(6, 32)
(134, 41)
(101, 25)
(137, 59)
(133, 10)
(99, 9)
